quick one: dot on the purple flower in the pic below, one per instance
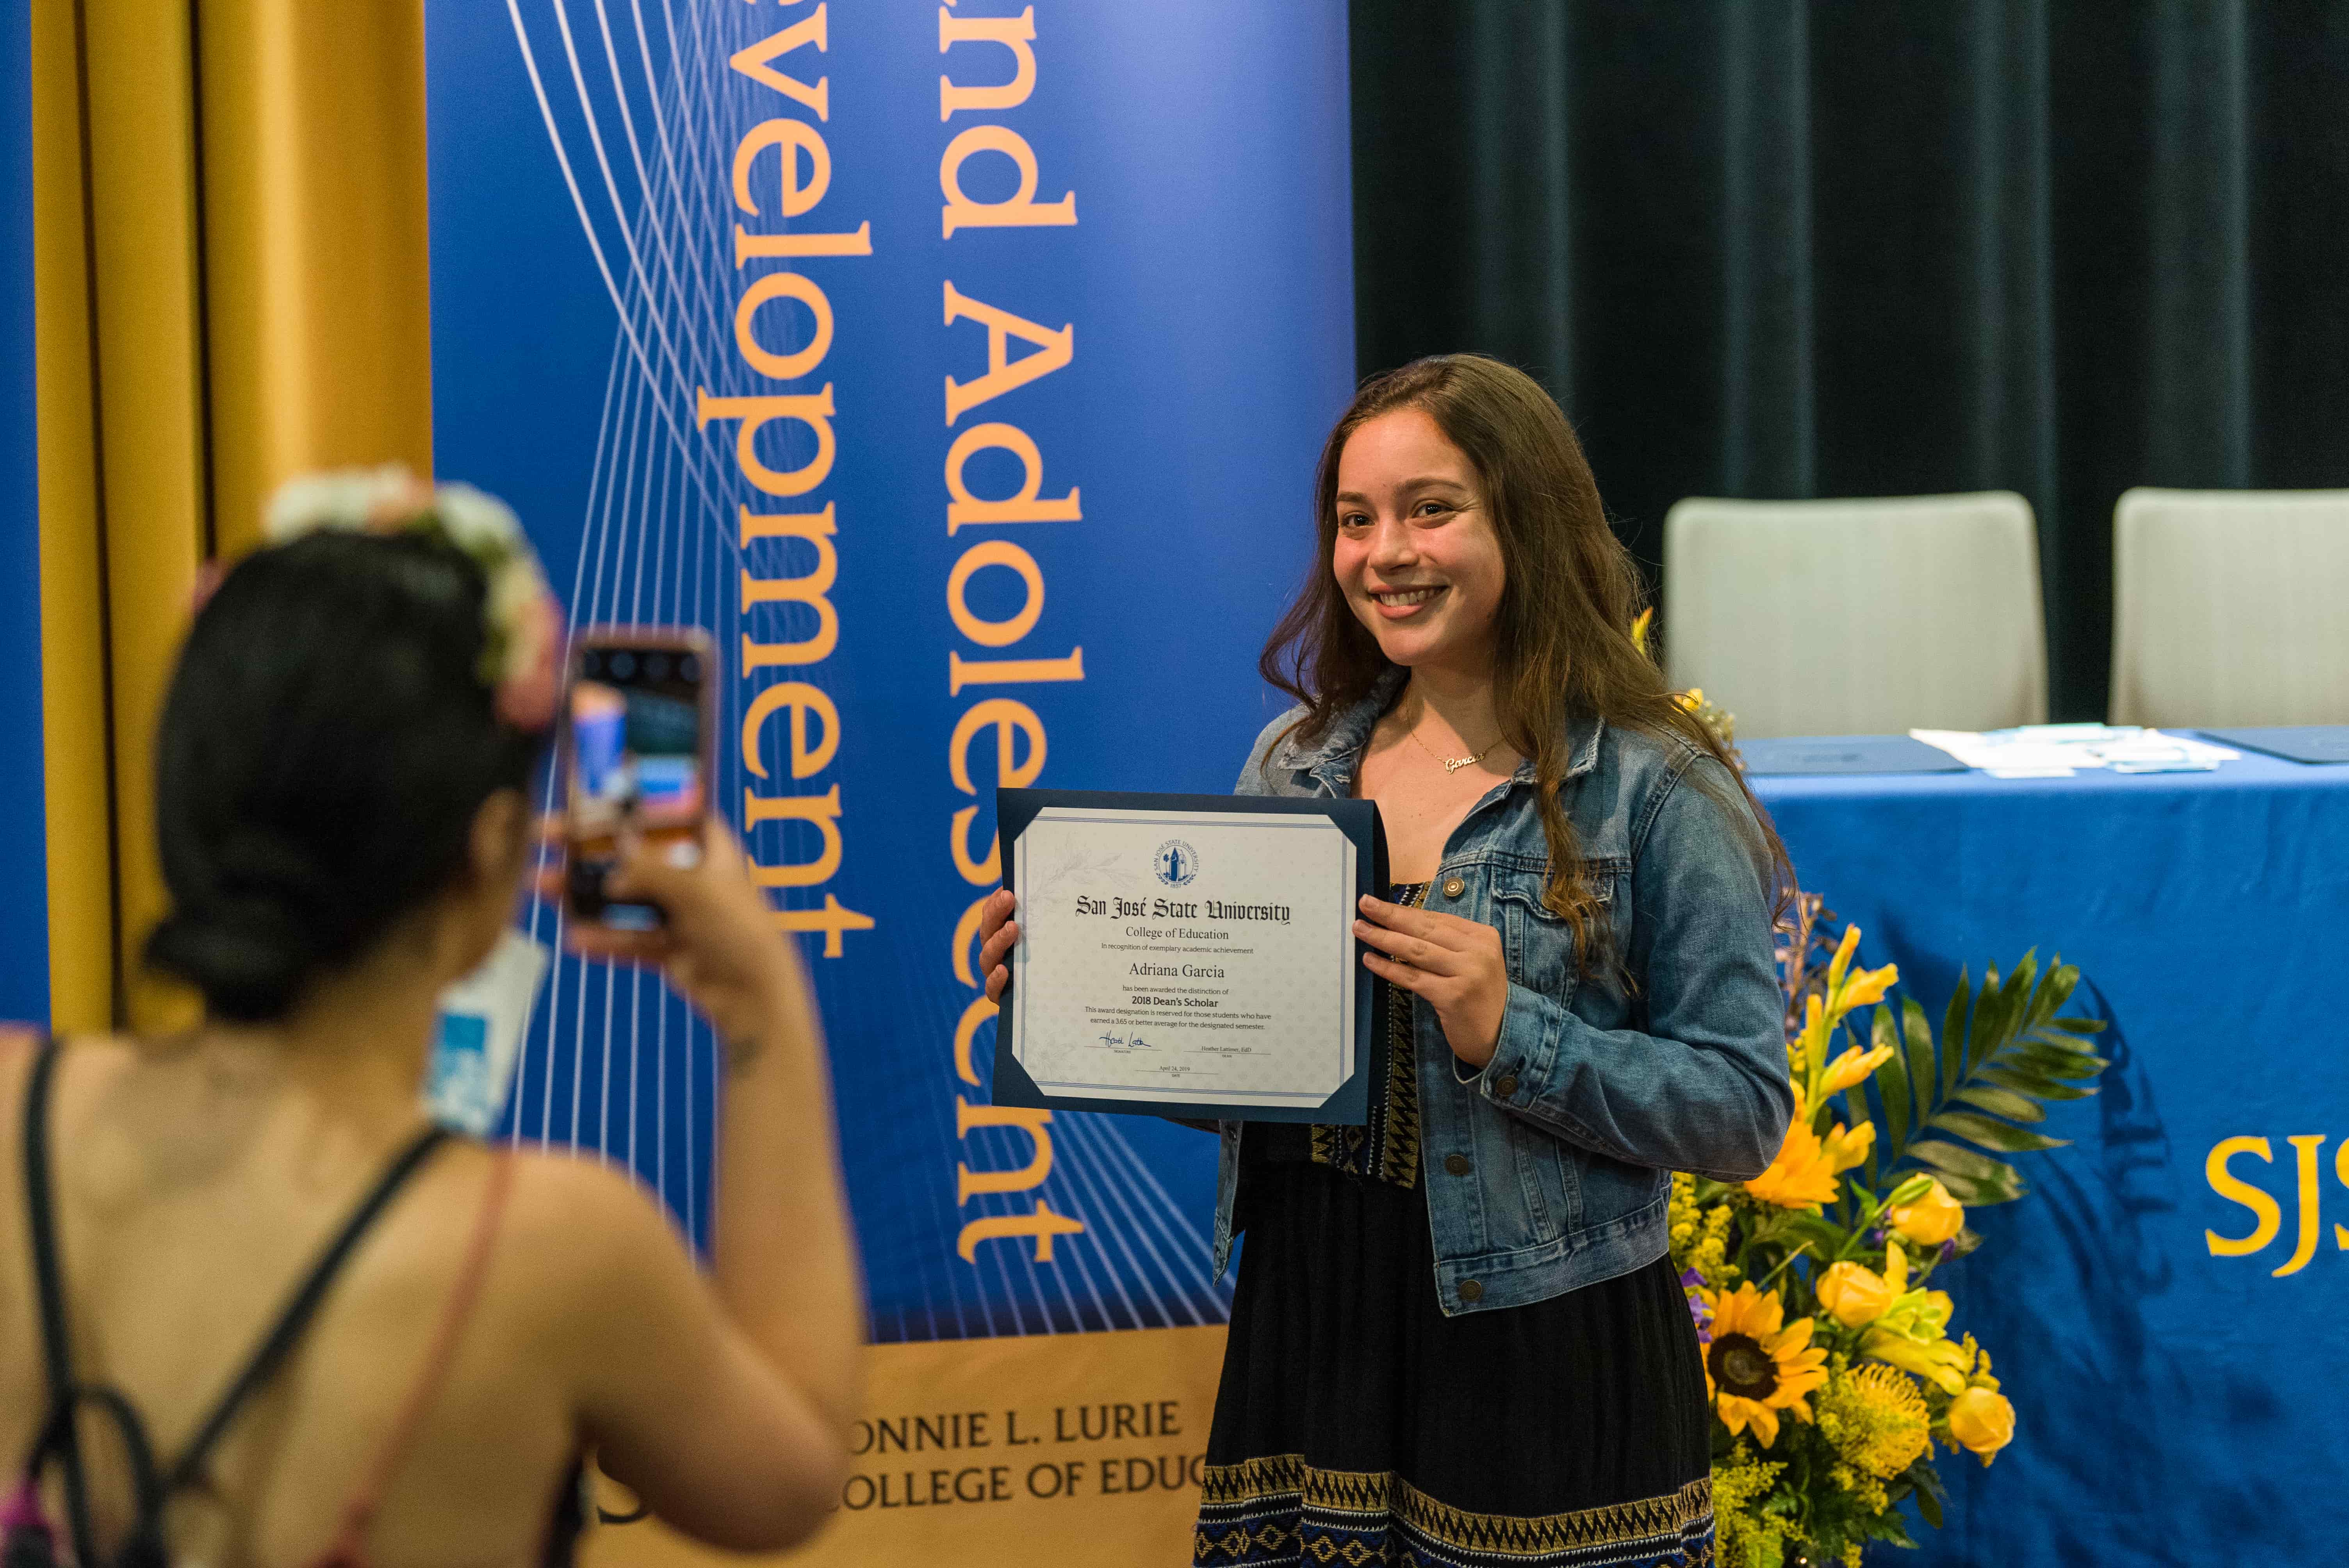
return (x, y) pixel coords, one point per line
(1948, 1250)
(1690, 1282)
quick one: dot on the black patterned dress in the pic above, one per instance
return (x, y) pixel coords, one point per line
(1356, 1424)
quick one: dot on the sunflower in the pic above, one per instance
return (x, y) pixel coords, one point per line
(1875, 1420)
(1758, 1364)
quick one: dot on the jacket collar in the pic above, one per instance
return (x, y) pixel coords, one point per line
(1336, 754)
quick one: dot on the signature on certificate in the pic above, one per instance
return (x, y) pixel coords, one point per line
(1121, 1042)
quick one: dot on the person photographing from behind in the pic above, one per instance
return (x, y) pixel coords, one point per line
(292, 1325)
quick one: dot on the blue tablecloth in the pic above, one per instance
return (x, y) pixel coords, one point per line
(2174, 1406)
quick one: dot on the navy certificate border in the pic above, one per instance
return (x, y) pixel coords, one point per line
(1349, 1105)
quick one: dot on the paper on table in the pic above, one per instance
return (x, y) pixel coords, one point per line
(2058, 750)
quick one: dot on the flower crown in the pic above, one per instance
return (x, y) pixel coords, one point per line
(521, 648)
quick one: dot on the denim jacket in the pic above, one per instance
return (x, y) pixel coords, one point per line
(1596, 1092)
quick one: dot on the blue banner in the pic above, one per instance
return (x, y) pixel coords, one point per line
(960, 368)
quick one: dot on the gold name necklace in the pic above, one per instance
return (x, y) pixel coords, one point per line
(1451, 764)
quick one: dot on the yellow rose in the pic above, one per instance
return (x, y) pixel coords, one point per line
(1982, 1421)
(1853, 1293)
(1928, 1220)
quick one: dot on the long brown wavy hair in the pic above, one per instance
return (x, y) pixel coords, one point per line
(1562, 638)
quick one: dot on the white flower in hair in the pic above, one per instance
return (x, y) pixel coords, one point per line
(344, 500)
(522, 625)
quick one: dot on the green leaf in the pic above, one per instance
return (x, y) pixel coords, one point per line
(1929, 1507)
(1891, 1080)
(1953, 1160)
(1824, 1235)
(2035, 1085)
(1996, 1018)
(2079, 1025)
(2061, 981)
(1967, 1239)
(1920, 1059)
(2056, 1040)
(1953, 1020)
(1977, 1194)
(1992, 1134)
(2004, 1102)
(2057, 1063)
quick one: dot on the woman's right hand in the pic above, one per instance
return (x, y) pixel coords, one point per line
(998, 932)
(719, 947)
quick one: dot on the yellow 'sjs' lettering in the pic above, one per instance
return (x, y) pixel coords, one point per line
(2267, 1218)
(2267, 1213)
(2304, 1247)
(2341, 1174)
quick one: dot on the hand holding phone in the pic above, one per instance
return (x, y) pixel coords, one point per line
(637, 761)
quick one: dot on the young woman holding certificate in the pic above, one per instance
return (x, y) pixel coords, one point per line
(1457, 1338)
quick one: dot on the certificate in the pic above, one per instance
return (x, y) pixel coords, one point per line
(1187, 955)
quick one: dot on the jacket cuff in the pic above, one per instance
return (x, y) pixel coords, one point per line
(1521, 1057)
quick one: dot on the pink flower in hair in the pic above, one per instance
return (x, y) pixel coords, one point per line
(533, 679)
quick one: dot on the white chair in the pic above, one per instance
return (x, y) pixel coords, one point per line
(2230, 607)
(1858, 617)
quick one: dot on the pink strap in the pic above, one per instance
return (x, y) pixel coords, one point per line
(23, 1510)
(348, 1550)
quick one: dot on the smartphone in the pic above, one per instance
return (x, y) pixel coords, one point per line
(637, 755)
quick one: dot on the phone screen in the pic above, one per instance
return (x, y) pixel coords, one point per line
(635, 728)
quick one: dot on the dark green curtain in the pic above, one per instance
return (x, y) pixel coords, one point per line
(1787, 250)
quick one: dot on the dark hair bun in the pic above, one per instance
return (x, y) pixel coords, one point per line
(325, 746)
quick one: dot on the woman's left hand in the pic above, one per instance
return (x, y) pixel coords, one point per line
(1455, 964)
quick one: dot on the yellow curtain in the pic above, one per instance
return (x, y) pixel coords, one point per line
(230, 287)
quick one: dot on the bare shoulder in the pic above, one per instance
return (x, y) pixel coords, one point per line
(586, 1236)
(94, 1061)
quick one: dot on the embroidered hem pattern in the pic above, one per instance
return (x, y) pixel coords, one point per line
(1283, 1511)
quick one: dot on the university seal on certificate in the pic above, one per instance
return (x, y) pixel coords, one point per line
(1188, 955)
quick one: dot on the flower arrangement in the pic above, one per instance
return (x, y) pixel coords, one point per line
(1827, 1355)
(1828, 1360)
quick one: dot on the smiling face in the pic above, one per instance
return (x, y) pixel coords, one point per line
(1416, 554)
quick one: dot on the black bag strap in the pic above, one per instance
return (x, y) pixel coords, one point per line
(59, 1435)
(295, 1317)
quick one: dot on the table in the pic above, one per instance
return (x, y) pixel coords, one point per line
(2174, 1406)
